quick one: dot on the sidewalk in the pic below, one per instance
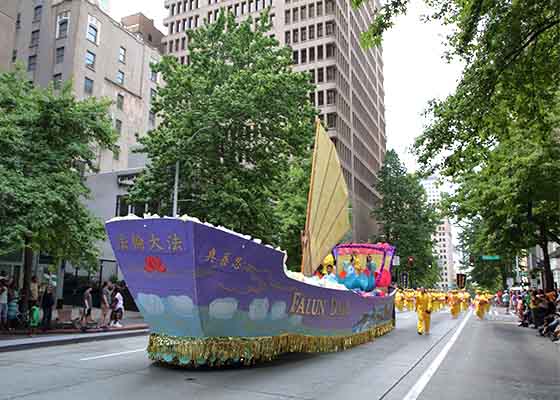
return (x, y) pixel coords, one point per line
(132, 325)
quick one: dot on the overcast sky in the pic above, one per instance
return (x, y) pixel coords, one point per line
(413, 68)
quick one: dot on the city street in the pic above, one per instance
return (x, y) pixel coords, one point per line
(492, 359)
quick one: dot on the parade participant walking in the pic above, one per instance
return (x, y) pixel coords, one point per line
(454, 303)
(480, 305)
(424, 310)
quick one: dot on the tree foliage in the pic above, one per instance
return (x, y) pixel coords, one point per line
(238, 119)
(408, 220)
(45, 137)
(497, 135)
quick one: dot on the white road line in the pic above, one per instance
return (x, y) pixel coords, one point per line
(429, 373)
(112, 354)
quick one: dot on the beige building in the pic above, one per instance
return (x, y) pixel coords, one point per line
(8, 18)
(61, 40)
(324, 36)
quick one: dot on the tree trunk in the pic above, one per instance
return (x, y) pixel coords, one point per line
(548, 283)
(27, 273)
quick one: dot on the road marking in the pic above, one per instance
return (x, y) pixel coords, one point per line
(112, 354)
(426, 376)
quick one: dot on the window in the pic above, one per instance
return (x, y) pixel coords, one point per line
(177, 43)
(320, 52)
(236, 12)
(320, 75)
(319, 8)
(120, 101)
(252, 6)
(331, 96)
(303, 34)
(92, 33)
(57, 81)
(287, 37)
(118, 126)
(170, 44)
(59, 57)
(311, 54)
(329, 6)
(14, 55)
(37, 11)
(243, 8)
(88, 86)
(331, 50)
(122, 54)
(287, 16)
(62, 21)
(32, 63)
(90, 60)
(331, 120)
(120, 77)
(311, 10)
(295, 35)
(303, 56)
(152, 118)
(329, 28)
(320, 98)
(312, 72)
(183, 43)
(331, 73)
(150, 39)
(303, 13)
(312, 98)
(171, 26)
(295, 15)
(153, 94)
(172, 9)
(295, 57)
(18, 21)
(153, 73)
(311, 32)
(34, 38)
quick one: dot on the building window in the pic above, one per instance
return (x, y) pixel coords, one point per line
(118, 126)
(116, 152)
(295, 57)
(295, 35)
(311, 32)
(319, 8)
(312, 72)
(303, 13)
(57, 81)
(320, 75)
(59, 57)
(287, 37)
(152, 118)
(37, 12)
(93, 30)
(35, 38)
(295, 15)
(331, 120)
(172, 9)
(183, 43)
(171, 28)
(122, 55)
(311, 10)
(320, 52)
(90, 60)
(153, 94)
(312, 98)
(329, 28)
(311, 54)
(32, 63)
(177, 43)
(62, 21)
(331, 96)
(170, 45)
(88, 86)
(331, 73)
(287, 17)
(303, 56)
(120, 77)
(320, 30)
(153, 73)
(18, 21)
(320, 98)
(329, 6)
(14, 55)
(303, 34)
(331, 50)
(120, 101)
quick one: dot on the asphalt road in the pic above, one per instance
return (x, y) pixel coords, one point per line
(492, 359)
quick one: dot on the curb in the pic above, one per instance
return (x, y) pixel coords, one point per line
(26, 344)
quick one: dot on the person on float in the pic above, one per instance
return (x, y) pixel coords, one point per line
(424, 311)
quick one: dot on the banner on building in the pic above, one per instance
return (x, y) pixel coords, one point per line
(461, 281)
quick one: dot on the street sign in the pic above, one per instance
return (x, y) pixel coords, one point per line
(491, 258)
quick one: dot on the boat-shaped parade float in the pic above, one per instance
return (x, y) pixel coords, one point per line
(212, 296)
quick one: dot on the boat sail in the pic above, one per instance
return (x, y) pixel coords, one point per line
(328, 218)
(212, 296)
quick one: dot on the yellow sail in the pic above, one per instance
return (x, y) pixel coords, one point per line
(327, 205)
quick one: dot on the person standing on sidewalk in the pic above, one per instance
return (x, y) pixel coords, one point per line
(34, 291)
(105, 304)
(47, 304)
(3, 305)
(118, 308)
(87, 302)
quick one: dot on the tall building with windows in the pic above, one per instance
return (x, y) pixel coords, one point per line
(324, 37)
(443, 237)
(8, 21)
(61, 40)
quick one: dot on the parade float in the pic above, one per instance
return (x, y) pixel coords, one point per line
(212, 296)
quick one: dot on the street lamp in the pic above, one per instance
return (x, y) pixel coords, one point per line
(177, 167)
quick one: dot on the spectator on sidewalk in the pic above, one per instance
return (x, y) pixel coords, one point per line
(105, 304)
(34, 290)
(34, 319)
(118, 308)
(47, 304)
(3, 305)
(87, 304)
(13, 307)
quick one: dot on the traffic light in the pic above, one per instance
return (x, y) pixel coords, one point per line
(410, 261)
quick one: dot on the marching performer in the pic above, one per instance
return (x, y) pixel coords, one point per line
(454, 302)
(399, 300)
(480, 305)
(424, 310)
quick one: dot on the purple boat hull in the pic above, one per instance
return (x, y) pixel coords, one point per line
(197, 281)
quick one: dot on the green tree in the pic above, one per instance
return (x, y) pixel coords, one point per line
(408, 220)
(45, 139)
(497, 135)
(237, 117)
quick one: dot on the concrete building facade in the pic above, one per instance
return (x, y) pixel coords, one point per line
(8, 21)
(324, 37)
(61, 40)
(443, 237)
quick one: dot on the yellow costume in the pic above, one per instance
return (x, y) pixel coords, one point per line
(409, 300)
(399, 300)
(480, 305)
(423, 309)
(454, 302)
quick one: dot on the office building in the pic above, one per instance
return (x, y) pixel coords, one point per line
(8, 20)
(60, 40)
(324, 37)
(443, 237)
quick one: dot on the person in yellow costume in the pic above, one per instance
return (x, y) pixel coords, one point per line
(399, 300)
(424, 311)
(454, 302)
(480, 305)
(409, 299)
